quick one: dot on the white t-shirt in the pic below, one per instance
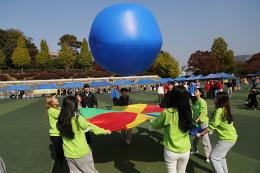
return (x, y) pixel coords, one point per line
(186, 86)
(197, 85)
(160, 90)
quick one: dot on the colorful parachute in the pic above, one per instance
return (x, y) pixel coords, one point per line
(125, 117)
(151, 110)
(113, 120)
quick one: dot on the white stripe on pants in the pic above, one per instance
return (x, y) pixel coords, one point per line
(82, 165)
(205, 140)
(176, 162)
(229, 91)
(218, 156)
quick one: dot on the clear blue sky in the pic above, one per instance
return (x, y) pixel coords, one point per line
(186, 25)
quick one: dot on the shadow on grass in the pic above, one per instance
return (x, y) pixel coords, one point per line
(111, 148)
(192, 165)
(244, 107)
(146, 147)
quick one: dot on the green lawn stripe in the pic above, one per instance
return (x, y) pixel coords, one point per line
(14, 105)
(245, 157)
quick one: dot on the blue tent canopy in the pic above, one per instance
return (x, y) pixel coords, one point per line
(46, 86)
(210, 76)
(199, 77)
(191, 78)
(224, 76)
(122, 82)
(219, 76)
(181, 78)
(165, 80)
(18, 88)
(100, 84)
(145, 81)
(72, 85)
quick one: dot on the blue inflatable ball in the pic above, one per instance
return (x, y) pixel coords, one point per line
(125, 39)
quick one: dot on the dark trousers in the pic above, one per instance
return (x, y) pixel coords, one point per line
(58, 150)
(160, 97)
(115, 101)
(252, 104)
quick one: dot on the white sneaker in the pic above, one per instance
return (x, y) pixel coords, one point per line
(207, 161)
(194, 152)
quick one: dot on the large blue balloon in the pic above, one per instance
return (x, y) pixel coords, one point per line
(125, 39)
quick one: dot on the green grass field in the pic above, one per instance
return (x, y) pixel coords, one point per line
(24, 140)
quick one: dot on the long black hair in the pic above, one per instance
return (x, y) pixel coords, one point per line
(68, 110)
(180, 99)
(222, 101)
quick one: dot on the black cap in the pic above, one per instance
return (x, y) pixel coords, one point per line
(124, 90)
(171, 82)
(86, 85)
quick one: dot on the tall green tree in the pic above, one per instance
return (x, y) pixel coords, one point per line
(229, 61)
(43, 58)
(8, 42)
(33, 51)
(21, 57)
(224, 55)
(166, 65)
(85, 59)
(71, 41)
(2, 59)
(67, 57)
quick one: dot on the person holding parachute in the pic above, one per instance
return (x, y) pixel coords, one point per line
(177, 122)
(200, 114)
(222, 122)
(53, 112)
(72, 128)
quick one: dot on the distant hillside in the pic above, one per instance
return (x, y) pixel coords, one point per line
(242, 57)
